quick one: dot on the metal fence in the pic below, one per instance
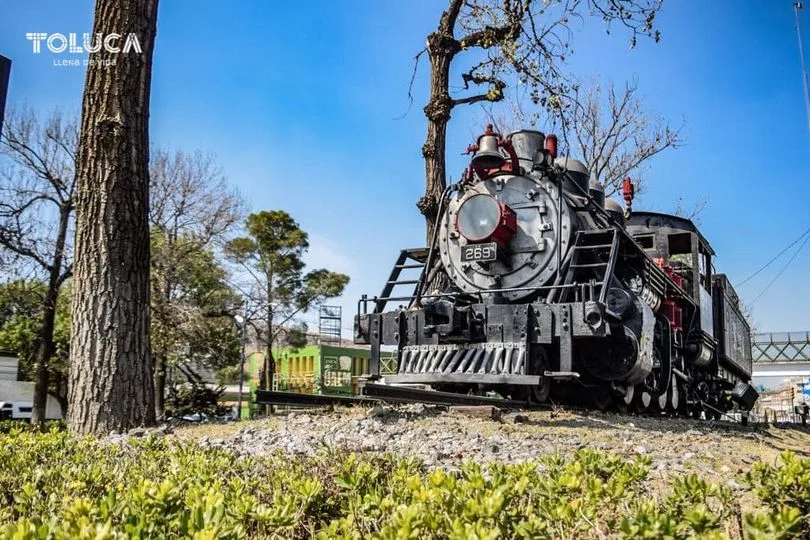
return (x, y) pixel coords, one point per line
(338, 375)
(388, 365)
(301, 382)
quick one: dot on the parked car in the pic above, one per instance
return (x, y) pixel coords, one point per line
(16, 410)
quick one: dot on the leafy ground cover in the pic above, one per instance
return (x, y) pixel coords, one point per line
(56, 486)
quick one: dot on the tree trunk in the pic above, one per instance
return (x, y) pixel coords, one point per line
(442, 47)
(44, 354)
(111, 386)
(163, 297)
(59, 383)
(269, 362)
(438, 114)
(46, 344)
(160, 385)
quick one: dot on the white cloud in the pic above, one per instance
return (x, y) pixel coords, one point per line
(323, 253)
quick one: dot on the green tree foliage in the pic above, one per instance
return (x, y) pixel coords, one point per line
(192, 210)
(191, 323)
(21, 307)
(271, 260)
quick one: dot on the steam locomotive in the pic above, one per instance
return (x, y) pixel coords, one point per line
(537, 287)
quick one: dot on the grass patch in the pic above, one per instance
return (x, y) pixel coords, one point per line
(57, 486)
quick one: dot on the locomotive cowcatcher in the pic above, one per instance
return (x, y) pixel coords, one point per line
(537, 287)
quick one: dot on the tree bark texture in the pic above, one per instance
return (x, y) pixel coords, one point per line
(46, 346)
(442, 47)
(111, 386)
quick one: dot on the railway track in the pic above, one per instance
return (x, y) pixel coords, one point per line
(374, 392)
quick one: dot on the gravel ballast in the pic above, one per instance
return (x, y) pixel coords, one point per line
(442, 437)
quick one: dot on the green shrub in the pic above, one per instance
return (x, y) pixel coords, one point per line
(785, 489)
(56, 486)
(695, 508)
(6, 426)
(192, 398)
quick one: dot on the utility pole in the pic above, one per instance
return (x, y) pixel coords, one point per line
(5, 71)
(797, 6)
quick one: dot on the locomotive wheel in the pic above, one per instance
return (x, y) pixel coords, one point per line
(538, 393)
(663, 400)
(602, 398)
(657, 382)
(637, 403)
(674, 396)
(650, 403)
(626, 403)
(670, 401)
(539, 365)
(714, 410)
(694, 409)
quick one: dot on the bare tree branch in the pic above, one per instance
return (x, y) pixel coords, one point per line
(36, 216)
(530, 39)
(617, 137)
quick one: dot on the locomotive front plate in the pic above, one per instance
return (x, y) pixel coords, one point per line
(479, 252)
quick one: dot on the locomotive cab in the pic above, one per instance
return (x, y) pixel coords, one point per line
(678, 246)
(718, 339)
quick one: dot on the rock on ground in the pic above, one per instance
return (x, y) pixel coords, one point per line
(718, 451)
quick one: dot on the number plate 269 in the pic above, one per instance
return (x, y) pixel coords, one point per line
(479, 252)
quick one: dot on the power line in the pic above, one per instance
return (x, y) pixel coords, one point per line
(796, 7)
(804, 236)
(767, 264)
(768, 286)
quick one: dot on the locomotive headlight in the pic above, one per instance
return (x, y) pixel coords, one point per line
(482, 217)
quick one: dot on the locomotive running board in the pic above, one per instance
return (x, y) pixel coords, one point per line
(561, 374)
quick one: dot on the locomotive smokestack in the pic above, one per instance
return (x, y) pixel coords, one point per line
(526, 143)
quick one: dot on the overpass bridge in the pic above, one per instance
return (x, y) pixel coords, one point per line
(781, 371)
(782, 359)
(781, 354)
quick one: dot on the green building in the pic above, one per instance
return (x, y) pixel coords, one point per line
(318, 369)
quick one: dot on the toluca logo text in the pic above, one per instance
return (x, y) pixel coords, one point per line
(59, 43)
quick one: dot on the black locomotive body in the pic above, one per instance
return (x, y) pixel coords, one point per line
(536, 286)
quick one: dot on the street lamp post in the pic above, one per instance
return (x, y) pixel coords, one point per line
(5, 71)
(796, 7)
(242, 322)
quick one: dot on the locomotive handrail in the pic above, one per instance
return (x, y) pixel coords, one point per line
(365, 301)
(611, 267)
(604, 213)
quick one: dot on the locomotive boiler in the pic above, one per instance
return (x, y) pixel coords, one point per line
(536, 286)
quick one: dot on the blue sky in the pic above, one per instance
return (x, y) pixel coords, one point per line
(301, 103)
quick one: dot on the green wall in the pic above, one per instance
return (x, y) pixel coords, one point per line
(316, 368)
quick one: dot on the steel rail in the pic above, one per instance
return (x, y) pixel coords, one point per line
(405, 394)
(372, 393)
(269, 397)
